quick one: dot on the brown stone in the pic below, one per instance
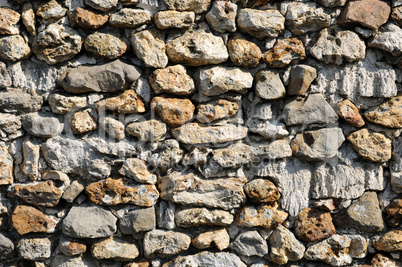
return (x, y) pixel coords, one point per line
(394, 212)
(174, 111)
(82, 122)
(127, 103)
(50, 10)
(28, 18)
(173, 80)
(267, 216)
(87, 19)
(388, 114)
(314, 224)
(380, 260)
(216, 110)
(244, 53)
(6, 167)
(44, 194)
(8, 21)
(369, 13)
(141, 263)
(105, 45)
(220, 238)
(27, 219)
(147, 131)
(72, 248)
(397, 14)
(301, 77)
(285, 52)
(262, 190)
(325, 204)
(391, 241)
(137, 169)
(350, 113)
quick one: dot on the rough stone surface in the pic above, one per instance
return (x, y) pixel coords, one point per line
(113, 127)
(216, 110)
(7, 247)
(27, 219)
(62, 104)
(390, 241)
(269, 85)
(173, 111)
(350, 113)
(8, 23)
(205, 258)
(102, 5)
(34, 249)
(243, 52)
(130, 18)
(138, 220)
(6, 167)
(262, 190)
(285, 52)
(388, 39)
(50, 10)
(220, 238)
(284, 246)
(87, 19)
(41, 194)
(126, 103)
(301, 77)
(314, 225)
(261, 23)
(70, 248)
(10, 127)
(82, 122)
(147, 131)
(196, 217)
(222, 16)
(198, 6)
(42, 124)
(114, 248)
(394, 212)
(13, 48)
(137, 169)
(105, 45)
(267, 216)
(250, 243)
(165, 243)
(149, 46)
(174, 19)
(387, 114)
(173, 80)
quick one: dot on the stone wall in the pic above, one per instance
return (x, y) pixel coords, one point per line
(205, 133)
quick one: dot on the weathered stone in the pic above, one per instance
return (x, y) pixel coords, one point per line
(261, 122)
(261, 191)
(27, 219)
(167, 155)
(87, 19)
(82, 122)
(50, 10)
(34, 249)
(161, 243)
(147, 131)
(397, 14)
(112, 127)
(13, 48)
(267, 216)
(233, 156)
(250, 243)
(102, 222)
(243, 52)
(269, 85)
(334, 46)
(273, 150)
(174, 19)
(138, 220)
(207, 258)
(56, 43)
(72, 247)
(222, 16)
(314, 224)
(350, 113)
(109, 77)
(394, 212)
(284, 246)
(260, 23)
(43, 124)
(380, 260)
(173, 79)
(301, 76)
(126, 103)
(189, 189)
(174, 111)
(105, 45)
(388, 39)
(9, 20)
(114, 248)
(130, 18)
(5, 79)
(198, 6)
(6, 247)
(285, 52)
(137, 169)
(332, 3)
(197, 49)
(62, 104)
(30, 164)
(149, 46)
(371, 13)
(55, 176)
(391, 241)
(196, 217)
(387, 114)
(372, 146)
(216, 110)
(220, 238)
(28, 18)
(41, 194)
(67, 261)
(10, 127)
(72, 191)
(102, 5)
(18, 100)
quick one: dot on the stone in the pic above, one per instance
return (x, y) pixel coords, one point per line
(51, 10)
(138, 220)
(371, 14)
(364, 214)
(126, 103)
(301, 77)
(102, 222)
(108, 146)
(332, 3)
(387, 114)
(6, 247)
(43, 124)
(114, 248)
(302, 18)
(130, 18)
(113, 127)
(193, 133)
(350, 113)
(87, 19)
(397, 15)
(334, 46)
(314, 224)
(198, 6)
(79, 260)
(119, 191)
(27, 219)
(105, 45)
(83, 122)
(261, 191)
(220, 238)
(72, 247)
(5, 79)
(147, 131)
(167, 155)
(10, 127)
(102, 5)
(284, 246)
(390, 241)
(205, 258)
(174, 19)
(30, 165)
(394, 212)
(285, 52)
(383, 261)
(62, 104)
(372, 146)
(313, 109)
(269, 85)
(109, 77)
(28, 18)
(13, 48)
(222, 16)
(197, 49)
(8, 24)
(149, 46)
(162, 243)
(267, 216)
(137, 169)
(196, 217)
(260, 23)
(190, 189)
(250, 243)
(56, 43)
(34, 249)
(388, 39)
(216, 110)
(18, 100)
(276, 149)
(173, 111)
(173, 80)
(72, 192)
(244, 53)
(44, 194)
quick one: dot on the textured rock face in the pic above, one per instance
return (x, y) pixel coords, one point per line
(269, 85)
(27, 219)
(174, 19)
(222, 258)
(261, 23)
(388, 39)
(390, 241)
(314, 225)
(216, 110)
(250, 243)
(285, 52)
(130, 18)
(174, 80)
(8, 24)
(147, 131)
(243, 52)
(173, 111)
(267, 216)
(195, 217)
(41, 194)
(301, 76)
(261, 190)
(284, 246)
(114, 248)
(87, 19)
(165, 243)
(350, 113)
(222, 16)
(220, 238)
(105, 45)
(14, 48)
(34, 248)
(42, 124)
(387, 114)
(149, 46)
(198, 6)
(6, 167)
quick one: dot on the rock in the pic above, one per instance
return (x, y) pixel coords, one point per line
(197, 49)
(302, 18)
(174, 19)
(397, 15)
(51, 10)
(372, 146)
(267, 216)
(147, 131)
(325, 204)
(313, 109)
(261, 23)
(250, 243)
(10, 127)
(198, 6)
(138, 220)
(205, 258)
(382, 261)
(87, 19)
(387, 114)
(5, 79)
(269, 85)
(44, 194)
(149, 46)
(62, 104)
(314, 224)
(284, 246)
(71, 247)
(18, 100)
(285, 52)
(261, 191)
(137, 169)
(394, 212)
(189, 189)
(102, 5)
(82, 122)
(109, 77)
(388, 39)
(6, 247)
(390, 241)
(167, 155)
(130, 18)
(66, 261)
(72, 192)
(243, 52)
(371, 14)
(332, 3)
(220, 238)
(56, 43)
(113, 127)
(334, 46)
(165, 215)
(13, 48)
(27, 219)
(196, 217)
(273, 150)
(119, 191)
(322, 144)
(105, 45)
(114, 248)
(161, 243)
(216, 110)
(173, 80)
(364, 215)
(34, 249)
(101, 224)
(350, 113)
(126, 103)
(301, 77)
(222, 16)
(43, 124)
(174, 111)
(8, 24)
(30, 165)
(28, 18)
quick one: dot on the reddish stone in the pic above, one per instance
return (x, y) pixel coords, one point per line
(27, 219)
(350, 113)
(173, 111)
(314, 224)
(285, 52)
(87, 19)
(71, 248)
(41, 194)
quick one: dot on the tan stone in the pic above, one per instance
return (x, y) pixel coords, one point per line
(394, 212)
(8, 21)
(13, 48)
(141, 263)
(284, 246)
(313, 224)
(388, 114)
(350, 113)
(44, 194)
(380, 260)
(174, 19)
(162, 243)
(87, 19)
(149, 46)
(6, 167)
(262, 190)
(173, 80)
(73, 191)
(72, 247)
(397, 14)
(267, 216)
(27, 219)
(391, 241)
(198, 6)
(28, 18)
(50, 10)
(127, 103)
(243, 52)
(196, 217)
(114, 248)
(82, 122)
(220, 238)
(147, 131)
(285, 52)
(62, 104)
(137, 169)
(113, 127)
(30, 165)
(216, 110)
(105, 45)
(130, 18)
(174, 111)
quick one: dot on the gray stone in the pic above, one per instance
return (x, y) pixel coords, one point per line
(137, 169)
(122, 148)
(301, 76)
(138, 220)
(10, 127)
(113, 127)
(147, 131)
(149, 46)
(284, 246)
(42, 124)
(50, 10)
(34, 249)
(167, 155)
(234, 156)
(72, 192)
(105, 45)
(75, 261)
(198, 6)
(5, 79)
(13, 48)
(30, 165)
(196, 217)
(222, 16)
(269, 85)
(250, 243)
(261, 23)
(18, 100)
(388, 39)
(174, 19)
(207, 258)
(62, 104)
(165, 215)
(6, 247)
(130, 18)
(276, 149)
(162, 243)
(102, 5)
(115, 248)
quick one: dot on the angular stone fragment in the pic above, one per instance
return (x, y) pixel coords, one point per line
(44, 194)
(9, 20)
(243, 52)
(130, 18)
(113, 127)
(284, 246)
(391, 241)
(261, 23)
(149, 46)
(6, 247)
(301, 76)
(105, 45)
(72, 192)
(198, 6)
(18, 100)
(388, 114)
(34, 249)
(196, 217)
(197, 49)
(102, 5)
(261, 191)
(72, 247)
(222, 16)
(394, 212)
(216, 110)
(10, 127)
(51, 10)
(380, 260)
(174, 19)
(126, 103)
(388, 39)
(267, 216)
(114, 248)
(285, 52)
(27, 219)
(5, 79)
(206, 258)
(87, 19)
(43, 124)
(161, 243)
(137, 169)
(269, 85)
(220, 238)
(62, 104)
(30, 165)
(350, 113)
(13, 48)
(28, 18)
(82, 122)
(138, 220)
(397, 14)
(147, 131)
(174, 111)
(314, 224)
(167, 155)
(250, 243)
(173, 79)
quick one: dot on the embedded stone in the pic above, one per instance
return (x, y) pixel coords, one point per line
(205, 258)
(105, 45)
(388, 114)
(174, 19)
(6, 167)
(220, 239)
(173, 80)
(44, 194)
(51, 10)
(138, 220)
(198, 6)
(267, 216)
(394, 212)
(82, 122)
(380, 260)
(284, 246)
(196, 217)
(147, 131)
(350, 113)
(62, 104)
(301, 77)
(174, 111)
(269, 85)
(68, 261)
(28, 18)
(285, 52)
(332, 3)
(72, 192)
(9, 20)
(162, 243)
(250, 243)
(34, 249)
(86, 19)
(388, 39)
(43, 124)
(6, 247)
(72, 247)
(276, 149)
(13, 48)
(137, 169)
(126, 103)
(222, 16)
(261, 191)
(216, 110)
(397, 14)
(19, 100)
(112, 127)
(261, 23)
(167, 155)
(5, 79)
(391, 241)
(30, 164)
(244, 53)
(27, 219)
(130, 18)
(102, 5)
(149, 46)
(114, 248)
(314, 224)
(10, 127)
